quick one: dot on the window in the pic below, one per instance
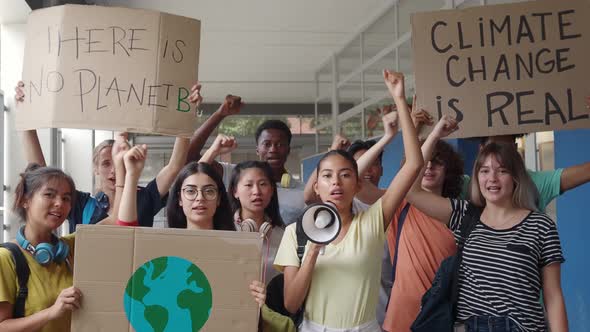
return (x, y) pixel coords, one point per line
(2, 166)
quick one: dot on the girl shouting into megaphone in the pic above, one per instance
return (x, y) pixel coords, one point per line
(339, 289)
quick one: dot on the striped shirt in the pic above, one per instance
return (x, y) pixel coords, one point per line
(501, 270)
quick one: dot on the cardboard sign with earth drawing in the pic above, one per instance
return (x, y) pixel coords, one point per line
(165, 280)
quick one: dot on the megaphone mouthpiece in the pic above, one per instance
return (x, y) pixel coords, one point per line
(323, 218)
(321, 223)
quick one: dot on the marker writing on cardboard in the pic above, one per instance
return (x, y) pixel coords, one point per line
(512, 29)
(112, 39)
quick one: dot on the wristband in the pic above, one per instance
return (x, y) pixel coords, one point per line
(128, 223)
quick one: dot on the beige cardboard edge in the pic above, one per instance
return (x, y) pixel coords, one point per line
(132, 234)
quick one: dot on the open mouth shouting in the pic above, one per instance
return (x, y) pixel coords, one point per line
(258, 202)
(336, 194)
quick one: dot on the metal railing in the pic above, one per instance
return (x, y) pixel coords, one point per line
(371, 92)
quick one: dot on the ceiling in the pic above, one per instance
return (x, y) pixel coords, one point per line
(266, 51)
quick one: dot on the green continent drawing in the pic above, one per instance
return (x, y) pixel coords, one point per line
(157, 316)
(168, 294)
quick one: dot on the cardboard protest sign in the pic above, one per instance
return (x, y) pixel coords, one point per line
(505, 69)
(109, 68)
(144, 279)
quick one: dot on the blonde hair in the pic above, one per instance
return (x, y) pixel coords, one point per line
(525, 194)
(107, 143)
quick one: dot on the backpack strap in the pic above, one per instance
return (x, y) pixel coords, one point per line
(400, 224)
(88, 211)
(470, 220)
(301, 241)
(22, 275)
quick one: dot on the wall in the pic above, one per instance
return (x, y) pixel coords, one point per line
(573, 224)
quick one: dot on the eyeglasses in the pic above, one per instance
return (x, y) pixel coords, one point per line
(191, 193)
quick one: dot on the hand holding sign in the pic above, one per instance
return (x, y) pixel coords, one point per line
(68, 300)
(19, 92)
(195, 96)
(258, 291)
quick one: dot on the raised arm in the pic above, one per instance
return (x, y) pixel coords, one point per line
(403, 180)
(134, 161)
(339, 142)
(120, 147)
(574, 176)
(177, 161)
(370, 193)
(31, 145)
(232, 105)
(33, 152)
(223, 144)
(390, 126)
(432, 204)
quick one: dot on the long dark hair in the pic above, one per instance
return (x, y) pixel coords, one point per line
(272, 209)
(453, 183)
(32, 180)
(222, 219)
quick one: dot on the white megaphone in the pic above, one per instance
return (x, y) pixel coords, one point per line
(320, 223)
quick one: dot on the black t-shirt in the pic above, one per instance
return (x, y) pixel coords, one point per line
(149, 203)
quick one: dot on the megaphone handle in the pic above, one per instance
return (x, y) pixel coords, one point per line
(322, 250)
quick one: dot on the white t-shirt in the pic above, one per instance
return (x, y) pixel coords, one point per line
(359, 206)
(291, 201)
